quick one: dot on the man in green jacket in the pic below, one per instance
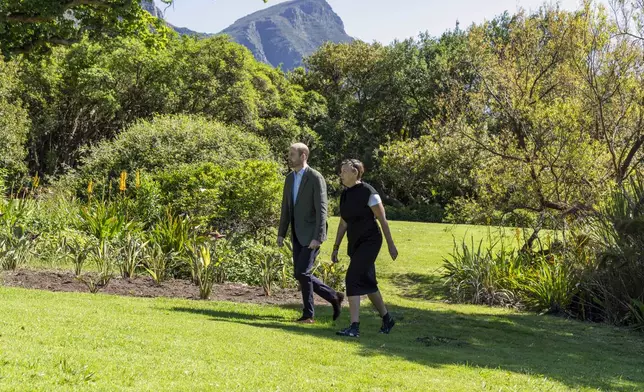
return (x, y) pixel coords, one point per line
(304, 209)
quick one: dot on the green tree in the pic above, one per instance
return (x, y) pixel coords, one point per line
(90, 91)
(33, 26)
(29, 26)
(365, 107)
(613, 88)
(424, 171)
(14, 124)
(93, 90)
(529, 118)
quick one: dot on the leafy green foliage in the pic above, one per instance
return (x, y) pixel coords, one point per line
(93, 91)
(35, 26)
(617, 282)
(14, 124)
(104, 221)
(132, 250)
(483, 275)
(164, 142)
(15, 251)
(551, 283)
(332, 274)
(206, 266)
(77, 248)
(424, 171)
(243, 197)
(158, 263)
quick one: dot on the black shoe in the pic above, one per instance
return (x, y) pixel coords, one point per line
(353, 331)
(305, 320)
(387, 325)
(337, 306)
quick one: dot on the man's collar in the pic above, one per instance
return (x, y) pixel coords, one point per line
(301, 171)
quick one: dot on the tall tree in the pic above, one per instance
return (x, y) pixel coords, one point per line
(530, 118)
(366, 108)
(28, 26)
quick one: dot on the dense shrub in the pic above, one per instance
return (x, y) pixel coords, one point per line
(243, 196)
(496, 272)
(425, 171)
(166, 141)
(617, 281)
(14, 125)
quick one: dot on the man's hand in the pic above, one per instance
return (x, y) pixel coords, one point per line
(315, 244)
(280, 241)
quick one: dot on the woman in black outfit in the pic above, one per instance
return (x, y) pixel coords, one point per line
(360, 207)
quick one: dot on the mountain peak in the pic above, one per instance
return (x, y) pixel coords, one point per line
(287, 32)
(282, 34)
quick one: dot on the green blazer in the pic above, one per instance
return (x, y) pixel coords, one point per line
(307, 215)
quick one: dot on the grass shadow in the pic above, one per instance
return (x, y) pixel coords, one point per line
(572, 353)
(418, 286)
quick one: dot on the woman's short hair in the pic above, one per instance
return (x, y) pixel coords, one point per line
(356, 165)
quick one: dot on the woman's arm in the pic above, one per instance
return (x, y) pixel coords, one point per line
(342, 229)
(379, 212)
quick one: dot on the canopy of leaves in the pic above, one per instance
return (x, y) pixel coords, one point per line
(167, 141)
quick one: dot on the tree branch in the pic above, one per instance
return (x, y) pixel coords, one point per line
(54, 40)
(629, 158)
(21, 17)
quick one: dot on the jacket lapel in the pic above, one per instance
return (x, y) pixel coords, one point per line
(290, 183)
(305, 178)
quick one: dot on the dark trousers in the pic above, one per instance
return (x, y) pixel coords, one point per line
(304, 260)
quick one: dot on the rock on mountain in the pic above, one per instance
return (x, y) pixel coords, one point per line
(282, 34)
(287, 32)
(149, 6)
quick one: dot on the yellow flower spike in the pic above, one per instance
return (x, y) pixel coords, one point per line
(36, 181)
(205, 256)
(90, 187)
(122, 183)
(137, 182)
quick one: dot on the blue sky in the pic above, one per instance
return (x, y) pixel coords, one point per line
(368, 20)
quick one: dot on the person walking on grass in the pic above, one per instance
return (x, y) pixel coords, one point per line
(304, 209)
(360, 207)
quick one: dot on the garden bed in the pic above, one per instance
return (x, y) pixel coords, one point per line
(144, 287)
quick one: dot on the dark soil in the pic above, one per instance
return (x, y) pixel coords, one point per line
(144, 287)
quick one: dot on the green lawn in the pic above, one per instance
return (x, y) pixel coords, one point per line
(56, 341)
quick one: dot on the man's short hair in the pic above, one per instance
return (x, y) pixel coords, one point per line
(301, 148)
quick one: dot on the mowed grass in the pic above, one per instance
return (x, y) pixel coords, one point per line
(63, 341)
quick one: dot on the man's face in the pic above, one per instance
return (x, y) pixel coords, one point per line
(295, 159)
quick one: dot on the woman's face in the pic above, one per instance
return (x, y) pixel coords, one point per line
(348, 175)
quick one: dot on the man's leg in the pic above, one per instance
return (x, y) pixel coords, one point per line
(318, 287)
(303, 258)
(322, 289)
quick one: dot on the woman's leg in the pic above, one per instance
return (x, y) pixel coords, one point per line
(378, 303)
(387, 321)
(354, 308)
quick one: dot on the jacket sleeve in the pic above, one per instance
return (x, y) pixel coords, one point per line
(285, 217)
(320, 204)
